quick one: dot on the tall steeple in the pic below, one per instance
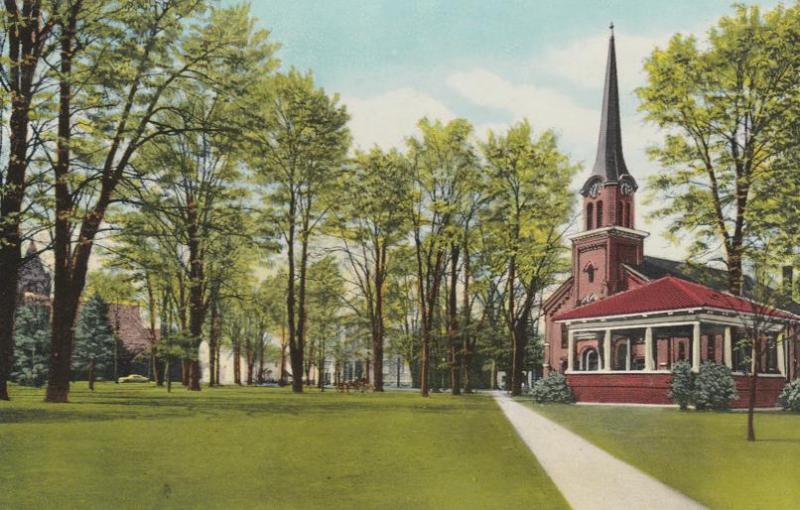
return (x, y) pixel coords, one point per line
(609, 239)
(609, 163)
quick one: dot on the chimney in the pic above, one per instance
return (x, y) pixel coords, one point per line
(788, 283)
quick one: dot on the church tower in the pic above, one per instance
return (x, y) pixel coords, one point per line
(608, 239)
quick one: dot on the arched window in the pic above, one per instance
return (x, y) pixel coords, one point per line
(589, 215)
(590, 361)
(620, 217)
(599, 222)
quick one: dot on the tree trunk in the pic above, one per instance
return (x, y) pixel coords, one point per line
(378, 326)
(197, 305)
(168, 372)
(24, 39)
(518, 358)
(237, 363)
(753, 386)
(295, 346)
(466, 347)
(217, 366)
(213, 340)
(283, 378)
(260, 373)
(452, 324)
(300, 337)
(250, 361)
(8, 305)
(91, 374)
(69, 269)
(735, 273)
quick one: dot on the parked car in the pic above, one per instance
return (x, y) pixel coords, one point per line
(133, 378)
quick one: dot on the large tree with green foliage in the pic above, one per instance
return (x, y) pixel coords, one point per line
(529, 213)
(27, 27)
(369, 221)
(168, 47)
(302, 139)
(726, 105)
(442, 160)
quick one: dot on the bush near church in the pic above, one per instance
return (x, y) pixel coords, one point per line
(714, 387)
(681, 385)
(552, 389)
(789, 398)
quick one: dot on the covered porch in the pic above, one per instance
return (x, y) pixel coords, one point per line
(655, 344)
(629, 359)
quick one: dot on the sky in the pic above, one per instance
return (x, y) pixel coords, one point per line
(491, 62)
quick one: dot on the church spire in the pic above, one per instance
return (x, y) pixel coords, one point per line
(610, 163)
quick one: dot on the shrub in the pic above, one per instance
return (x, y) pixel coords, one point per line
(682, 384)
(714, 387)
(552, 389)
(789, 398)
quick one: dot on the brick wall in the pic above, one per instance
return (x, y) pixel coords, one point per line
(652, 389)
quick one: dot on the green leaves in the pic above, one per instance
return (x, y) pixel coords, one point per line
(726, 106)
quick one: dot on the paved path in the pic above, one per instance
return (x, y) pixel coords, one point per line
(587, 476)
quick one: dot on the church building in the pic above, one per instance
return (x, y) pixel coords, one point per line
(620, 322)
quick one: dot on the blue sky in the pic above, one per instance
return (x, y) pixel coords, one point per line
(492, 62)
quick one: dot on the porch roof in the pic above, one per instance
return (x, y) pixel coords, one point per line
(670, 294)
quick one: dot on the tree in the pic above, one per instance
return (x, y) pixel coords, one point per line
(302, 139)
(726, 106)
(325, 292)
(369, 221)
(95, 344)
(167, 46)
(32, 344)
(530, 209)
(441, 159)
(116, 288)
(759, 323)
(27, 28)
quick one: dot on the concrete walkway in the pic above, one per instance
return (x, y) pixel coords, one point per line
(587, 476)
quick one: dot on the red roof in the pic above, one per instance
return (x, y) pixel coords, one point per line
(669, 293)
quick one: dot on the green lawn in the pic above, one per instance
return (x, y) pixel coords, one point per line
(139, 447)
(702, 454)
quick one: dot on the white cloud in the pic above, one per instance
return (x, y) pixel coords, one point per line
(544, 108)
(583, 62)
(387, 119)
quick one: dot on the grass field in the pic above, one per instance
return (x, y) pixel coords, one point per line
(139, 447)
(704, 455)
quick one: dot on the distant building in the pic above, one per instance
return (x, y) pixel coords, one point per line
(135, 339)
(34, 279)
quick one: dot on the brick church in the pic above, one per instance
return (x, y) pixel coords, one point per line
(620, 322)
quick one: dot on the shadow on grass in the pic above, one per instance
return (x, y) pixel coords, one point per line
(125, 404)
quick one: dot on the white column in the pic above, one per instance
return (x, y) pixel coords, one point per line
(607, 351)
(728, 347)
(648, 349)
(571, 352)
(781, 354)
(696, 347)
(628, 358)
